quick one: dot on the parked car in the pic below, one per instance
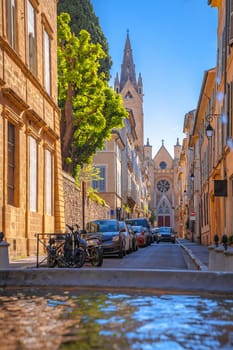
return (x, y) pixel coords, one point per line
(134, 237)
(166, 234)
(142, 235)
(155, 232)
(113, 239)
(141, 222)
(128, 236)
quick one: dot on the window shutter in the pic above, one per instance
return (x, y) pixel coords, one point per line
(231, 24)
(11, 163)
(9, 19)
(13, 26)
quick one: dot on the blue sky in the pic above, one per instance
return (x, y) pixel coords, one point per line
(173, 43)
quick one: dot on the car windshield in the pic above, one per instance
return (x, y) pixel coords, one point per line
(102, 226)
(137, 228)
(165, 229)
(138, 222)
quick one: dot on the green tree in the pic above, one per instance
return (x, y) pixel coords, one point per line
(83, 17)
(90, 108)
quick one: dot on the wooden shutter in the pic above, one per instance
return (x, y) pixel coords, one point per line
(231, 24)
(11, 164)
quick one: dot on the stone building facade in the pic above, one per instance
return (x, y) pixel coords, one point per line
(31, 185)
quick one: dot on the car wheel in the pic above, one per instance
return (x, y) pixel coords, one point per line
(157, 242)
(121, 253)
(134, 246)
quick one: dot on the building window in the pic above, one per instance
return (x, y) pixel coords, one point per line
(100, 184)
(163, 185)
(11, 22)
(163, 165)
(33, 174)
(48, 182)
(31, 37)
(47, 61)
(11, 165)
(128, 95)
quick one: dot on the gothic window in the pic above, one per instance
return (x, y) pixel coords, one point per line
(128, 95)
(163, 185)
(163, 165)
(163, 208)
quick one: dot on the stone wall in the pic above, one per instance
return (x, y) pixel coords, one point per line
(73, 204)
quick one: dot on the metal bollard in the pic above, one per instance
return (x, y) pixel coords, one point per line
(216, 240)
(224, 241)
(4, 257)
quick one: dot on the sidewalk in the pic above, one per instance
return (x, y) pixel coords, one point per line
(27, 262)
(197, 252)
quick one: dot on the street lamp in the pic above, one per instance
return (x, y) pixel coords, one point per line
(209, 130)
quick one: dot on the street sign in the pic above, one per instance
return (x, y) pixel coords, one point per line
(192, 215)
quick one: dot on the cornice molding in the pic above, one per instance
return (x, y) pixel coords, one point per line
(14, 98)
(215, 3)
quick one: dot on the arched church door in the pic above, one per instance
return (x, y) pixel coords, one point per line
(164, 220)
(164, 213)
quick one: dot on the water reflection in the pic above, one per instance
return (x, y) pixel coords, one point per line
(103, 320)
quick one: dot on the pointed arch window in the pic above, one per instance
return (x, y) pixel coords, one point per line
(128, 95)
(163, 208)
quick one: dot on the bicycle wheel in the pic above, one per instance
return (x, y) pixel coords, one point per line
(79, 257)
(51, 257)
(96, 257)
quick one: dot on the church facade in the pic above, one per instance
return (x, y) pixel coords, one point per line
(164, 177)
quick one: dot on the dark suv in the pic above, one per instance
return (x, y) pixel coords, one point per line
(166, 234)
(112, 237)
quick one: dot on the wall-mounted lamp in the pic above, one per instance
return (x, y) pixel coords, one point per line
(192, 176)
(209, 130)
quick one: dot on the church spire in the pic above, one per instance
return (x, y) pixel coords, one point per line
(128, 67)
